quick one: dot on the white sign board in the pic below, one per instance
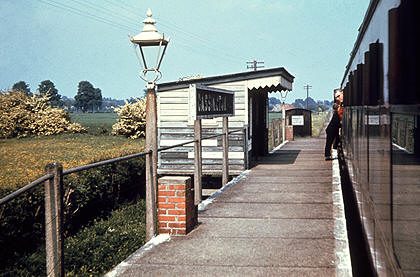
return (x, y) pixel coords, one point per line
(297, 120)
(372, 119)
(209, 102)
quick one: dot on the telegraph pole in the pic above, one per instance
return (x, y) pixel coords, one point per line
(254, 65)
(307, 87)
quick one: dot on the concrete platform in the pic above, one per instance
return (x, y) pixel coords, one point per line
(283, 218)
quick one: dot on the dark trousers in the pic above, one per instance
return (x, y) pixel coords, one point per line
(331, 137)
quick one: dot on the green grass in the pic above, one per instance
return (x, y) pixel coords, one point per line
(96, 123)
(318, 121)
(272, 116)
(24, 160)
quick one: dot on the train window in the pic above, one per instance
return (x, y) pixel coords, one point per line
(359, 85)
(366, 84)
(403, 53)
(355, 87)
(376, 96)
(351, 89)
(396, 96)
(346, 95)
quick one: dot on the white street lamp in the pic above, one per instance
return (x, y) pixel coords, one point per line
(150, 39)
(152, 43)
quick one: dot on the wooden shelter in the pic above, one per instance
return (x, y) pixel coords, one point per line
(176, 125)
(301, 120)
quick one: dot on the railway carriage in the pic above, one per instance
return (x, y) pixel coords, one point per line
(381, 136)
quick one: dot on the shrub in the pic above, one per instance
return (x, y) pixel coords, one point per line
(22, 115)
(132, 121)
(98, 248)
(76, 128)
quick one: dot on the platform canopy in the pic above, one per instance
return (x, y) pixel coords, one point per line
(261, 81)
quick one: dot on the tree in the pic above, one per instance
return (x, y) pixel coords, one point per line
(22, 86)
(48, 88)
(88, 97)
(68, 102)
(96, 102)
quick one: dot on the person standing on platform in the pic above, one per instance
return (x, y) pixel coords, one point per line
(333, 128)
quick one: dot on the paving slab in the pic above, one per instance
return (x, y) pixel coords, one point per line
(218, 270)
(213, 227)
(270, 210)
(285, 187)
(280, 219)
(276, 197)
(263, 252)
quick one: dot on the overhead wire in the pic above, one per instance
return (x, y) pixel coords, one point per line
(106, 11)
(183, 38)
(172, 26)
(85, 14)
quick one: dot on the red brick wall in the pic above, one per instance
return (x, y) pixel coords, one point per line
(177, 214)
(289, 132)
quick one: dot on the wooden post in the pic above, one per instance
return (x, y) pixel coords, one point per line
(246, 161)
(283, 121)
(53, 220)
(273, 138)
(151, 162)
(278, 131)
(398, 130)
(197, 162)
(225, 144)
(406, 134)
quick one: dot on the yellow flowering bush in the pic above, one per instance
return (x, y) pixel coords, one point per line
(76, 128)
(22, 115)
(132, 121)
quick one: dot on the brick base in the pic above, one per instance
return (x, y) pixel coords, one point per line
(177, 214)
(289, 132)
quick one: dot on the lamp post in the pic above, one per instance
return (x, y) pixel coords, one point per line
(150, 39)
(283, 95)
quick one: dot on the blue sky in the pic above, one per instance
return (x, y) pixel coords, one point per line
(68, 41)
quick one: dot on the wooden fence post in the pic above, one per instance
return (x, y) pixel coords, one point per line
(246, 157)
(151, 210)
(225, 144)
(53, 220)
(278, 131)
(406, 134)
(197, 162)
(273, 139)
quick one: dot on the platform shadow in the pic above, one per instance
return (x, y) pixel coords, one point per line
(279, 157)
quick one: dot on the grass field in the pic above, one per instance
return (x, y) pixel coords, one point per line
(24, 160)
(318, 121)
(96, 123)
